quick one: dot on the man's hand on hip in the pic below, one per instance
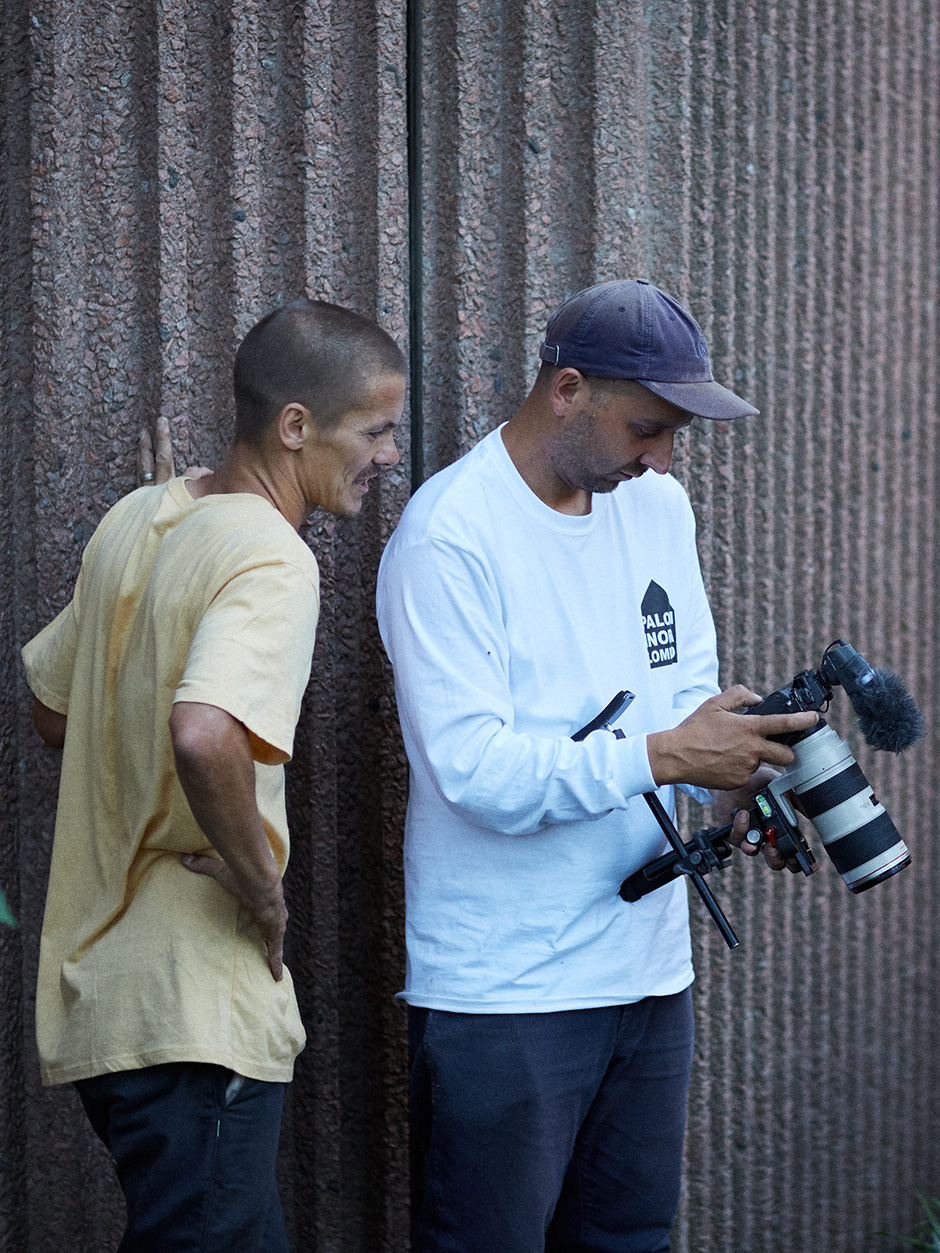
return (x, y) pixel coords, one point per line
(715, 747)
(266, 907)
(216, 770)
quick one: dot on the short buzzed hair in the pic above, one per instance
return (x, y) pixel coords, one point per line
(601, 388)
(311, 353)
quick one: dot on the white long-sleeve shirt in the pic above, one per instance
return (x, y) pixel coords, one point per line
(509, 626)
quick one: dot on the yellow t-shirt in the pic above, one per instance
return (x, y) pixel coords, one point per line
(143, 962)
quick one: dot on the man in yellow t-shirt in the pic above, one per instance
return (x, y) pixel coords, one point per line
(173, 682)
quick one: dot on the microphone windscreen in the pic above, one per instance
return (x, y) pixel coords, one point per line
(888, 718)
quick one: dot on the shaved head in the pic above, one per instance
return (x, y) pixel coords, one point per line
(310, 353)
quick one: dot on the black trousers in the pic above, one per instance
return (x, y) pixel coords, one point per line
(550, 1133)
(195, 1148)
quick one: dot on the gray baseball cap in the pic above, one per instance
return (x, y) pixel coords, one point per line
(629, 329)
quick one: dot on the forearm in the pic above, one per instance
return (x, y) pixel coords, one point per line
(216, 770)
(217, 773)
(49, 724)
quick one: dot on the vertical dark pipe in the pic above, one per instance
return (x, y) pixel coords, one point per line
(414, 56)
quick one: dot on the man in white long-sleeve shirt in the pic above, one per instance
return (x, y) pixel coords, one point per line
(551, 1022)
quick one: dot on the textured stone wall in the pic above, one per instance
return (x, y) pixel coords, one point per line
(171, 171)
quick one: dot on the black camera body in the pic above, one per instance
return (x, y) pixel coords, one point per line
(857, 834)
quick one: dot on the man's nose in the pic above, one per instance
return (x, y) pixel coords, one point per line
(659, 457)
(387, 452)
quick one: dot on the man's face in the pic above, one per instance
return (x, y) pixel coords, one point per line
(340, 461)
(615, 436)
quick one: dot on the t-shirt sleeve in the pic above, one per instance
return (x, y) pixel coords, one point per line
(441, 623)
(251, 655)
(50, 657)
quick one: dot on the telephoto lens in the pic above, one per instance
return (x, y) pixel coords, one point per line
(863, 843)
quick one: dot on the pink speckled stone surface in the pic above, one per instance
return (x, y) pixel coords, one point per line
(171, 171)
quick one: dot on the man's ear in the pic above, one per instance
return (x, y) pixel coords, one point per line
(292, 425)
(568, 387)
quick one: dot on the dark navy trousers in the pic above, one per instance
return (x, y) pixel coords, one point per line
(195, 1148)
(549, 1133)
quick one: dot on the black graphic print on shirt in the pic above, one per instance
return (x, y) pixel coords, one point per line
(659, 626)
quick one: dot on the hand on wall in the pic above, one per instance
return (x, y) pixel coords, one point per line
(155, 457)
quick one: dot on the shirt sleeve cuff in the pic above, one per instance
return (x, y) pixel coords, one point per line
(270, 745)
(52, 700)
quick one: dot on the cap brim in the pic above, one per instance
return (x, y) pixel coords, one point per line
(704, 400)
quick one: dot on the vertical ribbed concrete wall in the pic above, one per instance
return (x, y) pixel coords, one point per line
(171, 171)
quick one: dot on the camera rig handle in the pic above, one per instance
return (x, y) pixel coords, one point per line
(772, 819)
(705, 851)
(694, 859)
(610, 713)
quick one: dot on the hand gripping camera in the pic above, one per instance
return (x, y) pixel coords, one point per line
(861, 840)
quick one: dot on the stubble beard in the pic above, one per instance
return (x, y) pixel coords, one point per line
(575, 460)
